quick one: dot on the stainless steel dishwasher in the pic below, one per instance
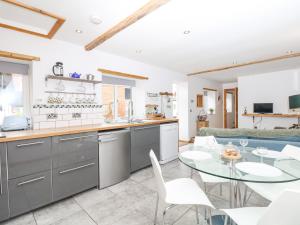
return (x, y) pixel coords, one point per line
(114, 157)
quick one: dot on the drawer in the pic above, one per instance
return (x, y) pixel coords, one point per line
(73, 179)
(29, 192)
(27, 157)
(71, 149)
(145, 135)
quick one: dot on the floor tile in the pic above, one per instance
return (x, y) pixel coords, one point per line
(92, 197)
(123, 186)
(142, 175)
(55, 212)
(135, 218)
(78, 218)
(26, 219)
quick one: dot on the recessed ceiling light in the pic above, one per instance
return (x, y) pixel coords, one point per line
(78, 31)
(95, 20)
(138, 51)
(186, 32)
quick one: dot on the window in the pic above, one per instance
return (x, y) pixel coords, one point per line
(13, 95)
(115, 100)
(210, 101)
(229, 100)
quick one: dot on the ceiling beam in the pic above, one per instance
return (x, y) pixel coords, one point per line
(121, 74)
(59, 20)
(293, 55)
(13, 55)
(151, 6)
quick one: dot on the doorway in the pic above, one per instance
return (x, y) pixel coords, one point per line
(230, 108)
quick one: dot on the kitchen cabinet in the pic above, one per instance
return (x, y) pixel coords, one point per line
(29, 192)
(75, 163)
(143, 139)
(75, 178)
(27, 157)
(4, 211)
(74, 148)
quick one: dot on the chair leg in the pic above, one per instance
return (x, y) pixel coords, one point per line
(226, 220)
(197, 215)
(192, 172)
(221, 189)
(156, 209)
(164, 213)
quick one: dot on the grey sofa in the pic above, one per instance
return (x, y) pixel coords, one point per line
(271, 139)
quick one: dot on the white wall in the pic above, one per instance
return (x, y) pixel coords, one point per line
(183, 110)
(75, 58)
(274, 88)
(230, 85)
(195, 86)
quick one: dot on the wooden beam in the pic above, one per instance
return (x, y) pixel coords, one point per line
(59, 20)
(151, 6)
(293, 55)
(121, 74)
(13, 55)
(209, 89)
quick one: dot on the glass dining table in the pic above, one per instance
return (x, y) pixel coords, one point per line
(256, 166)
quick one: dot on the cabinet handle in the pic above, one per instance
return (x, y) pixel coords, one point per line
(76, 168)
(87, 136)
(142, 128)
(30, 144)
(31, 181)
(107, 140)
(69, 139)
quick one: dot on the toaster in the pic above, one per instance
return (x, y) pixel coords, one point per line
(11, 123)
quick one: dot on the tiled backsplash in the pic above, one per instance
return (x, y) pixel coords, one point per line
(56, 116)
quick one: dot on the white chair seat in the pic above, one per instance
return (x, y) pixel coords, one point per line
(247, 215)
(272, 191)
(185, 191)
(206, 178)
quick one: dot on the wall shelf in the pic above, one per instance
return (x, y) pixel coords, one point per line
(272, 115)
(69, 92)
(48, 77)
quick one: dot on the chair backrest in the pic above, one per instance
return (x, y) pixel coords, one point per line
(284, 210)
(292, 151)
(204, 141)
(158, 176)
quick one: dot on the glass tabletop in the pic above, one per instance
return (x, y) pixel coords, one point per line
(251, 167)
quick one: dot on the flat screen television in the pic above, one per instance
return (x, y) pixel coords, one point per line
(294, 101)
(263, 108)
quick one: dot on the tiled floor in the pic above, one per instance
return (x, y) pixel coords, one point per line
(128, 203)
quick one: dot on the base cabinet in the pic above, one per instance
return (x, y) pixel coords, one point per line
(143, 139)
(4, 211)
(29, 192)
(73, 179)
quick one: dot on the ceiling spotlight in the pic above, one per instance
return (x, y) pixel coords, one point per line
(186, 32)
(78, 31)
(95, 20)
(290, 52)
(138, 51)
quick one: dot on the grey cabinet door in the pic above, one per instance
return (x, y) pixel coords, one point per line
(75, 148)
(143, 139)
(4, 212)
(27, 157)
(75, 178)
(29, 192)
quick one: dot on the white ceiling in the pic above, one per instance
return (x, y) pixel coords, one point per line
(221, 32)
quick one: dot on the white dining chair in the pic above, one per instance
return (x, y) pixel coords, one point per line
(272, 191)
(282, 211)
(182, 191)
(208, 141)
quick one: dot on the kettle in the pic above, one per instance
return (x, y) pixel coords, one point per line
(58, 69)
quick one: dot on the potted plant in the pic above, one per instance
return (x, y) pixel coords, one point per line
(211, 110)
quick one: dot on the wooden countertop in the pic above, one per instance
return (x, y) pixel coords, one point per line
(31, 134)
